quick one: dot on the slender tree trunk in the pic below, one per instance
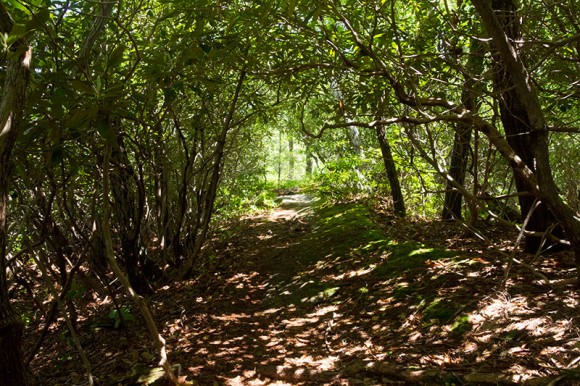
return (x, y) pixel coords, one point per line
(453, 202)
(390, 167)
(291, 161)
(458, 165)
(128, 214)
(13, 371)
(279, 158)
(309, 164)
(158, 340)
(354, 139)
(392, 175)
(460, 154)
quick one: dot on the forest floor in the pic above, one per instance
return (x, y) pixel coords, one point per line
(314, 294)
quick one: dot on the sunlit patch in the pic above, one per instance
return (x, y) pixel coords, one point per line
(522, 374)
(231, 317)
(469, 347)
(421, 251)
(326, 310)
(269, 311)
(505, 305)
(242, 277)
(534, 326)
(355, 273)
(307, 361)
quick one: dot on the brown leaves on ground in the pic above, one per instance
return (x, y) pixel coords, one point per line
(262, 314)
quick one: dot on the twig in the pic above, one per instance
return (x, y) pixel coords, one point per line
(327, 332)
(512, 259)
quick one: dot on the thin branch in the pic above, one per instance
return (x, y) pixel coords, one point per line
(384, 122)
(564, 129)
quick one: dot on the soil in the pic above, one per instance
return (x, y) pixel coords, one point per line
(344, 294)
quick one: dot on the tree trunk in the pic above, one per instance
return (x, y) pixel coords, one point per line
(392, 175)
(13, 371)
(541, 183)
(453, 199)
(459, 155)
(309, 164)
(354, 140)
(291, 160)
(279, 166)
(518, 128)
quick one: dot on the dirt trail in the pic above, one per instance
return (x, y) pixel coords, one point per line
(301, 302)
(303, 296)
(258, 328)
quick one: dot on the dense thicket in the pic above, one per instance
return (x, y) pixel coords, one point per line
(144, 120)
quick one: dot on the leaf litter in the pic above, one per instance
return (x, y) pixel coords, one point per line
(314, 294)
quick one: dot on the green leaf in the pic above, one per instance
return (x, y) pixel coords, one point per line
(82, 87)
(82, 116)
(16, 4)
(116, 57)
(106, 131)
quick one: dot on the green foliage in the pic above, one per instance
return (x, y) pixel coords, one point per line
(245, 196)
(26, 318)
(76, 290)
(345, 178)
(461, 325)
(159, 83)
(440, 310)
(119, 318)
(406, 257)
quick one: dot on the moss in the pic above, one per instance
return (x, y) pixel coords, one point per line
(408, 256)
(347, 229)
(439, 309)
(461, 325)
(351, 232)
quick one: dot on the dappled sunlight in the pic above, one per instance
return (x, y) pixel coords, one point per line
(287, 305)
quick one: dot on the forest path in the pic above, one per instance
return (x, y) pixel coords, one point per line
(269, 316)
(318, 294)
(266, 319)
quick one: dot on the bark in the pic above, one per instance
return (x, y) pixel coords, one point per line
(458, 166)
(13, 370)
(99, 24)
(128, 210)
(390, 167)
(177, 247)
(392, 175)
(158, 340)
(309, 164)
(541, 182)
(517, 125)
(291, 161)
(355, 141)
(460, 153)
